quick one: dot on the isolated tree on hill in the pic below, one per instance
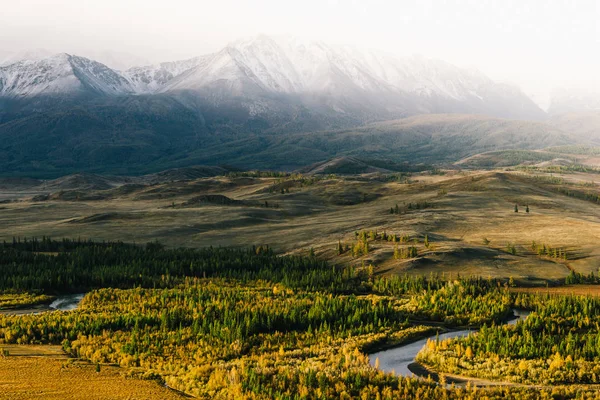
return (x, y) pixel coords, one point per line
(516, 208)
(510, 248)
(527, 209)
(340, 248)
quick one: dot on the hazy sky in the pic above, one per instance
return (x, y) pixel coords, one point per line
(536, 44)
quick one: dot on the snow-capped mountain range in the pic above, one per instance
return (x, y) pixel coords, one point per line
(61, 74)
(264, 73)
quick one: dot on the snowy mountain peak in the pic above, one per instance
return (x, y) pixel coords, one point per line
(60, 73)
(338, 79)
(152, 78)
(288, 65)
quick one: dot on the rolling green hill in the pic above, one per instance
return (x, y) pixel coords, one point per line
(145, 135)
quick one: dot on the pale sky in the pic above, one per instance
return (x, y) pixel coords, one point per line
(538, 45)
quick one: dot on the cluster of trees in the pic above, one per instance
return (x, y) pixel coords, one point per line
(260, 174)
(419, 205)
(558, 343)
(541, 249)
(577, 278)
(405, 252)
(560, 169)
(559, 186)
(342, 248)
(231, 323)
(462, 303)
(397, 177)
(366, 235)
(224, 338)
(374, 235)
(578, 194)
(517, 208)
(553, 180)
(76, 266)
(400, 285)
(13, 300)
(360, 248)
(511, 249)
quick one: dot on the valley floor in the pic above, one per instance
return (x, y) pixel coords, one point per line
(468, 217)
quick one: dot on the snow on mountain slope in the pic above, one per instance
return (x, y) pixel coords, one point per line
(117, 60)
(268, 72)
(60, 74)
(220, 68)
(151, 78)
(280, 66)
(284, 65)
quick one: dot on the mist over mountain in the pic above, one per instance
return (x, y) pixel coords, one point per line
(254, 73)
(63, 112)
(575, 100)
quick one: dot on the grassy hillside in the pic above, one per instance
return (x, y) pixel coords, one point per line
(468, 217)
(510, 158)
(434, 139)
(584, 126)
(140, 136)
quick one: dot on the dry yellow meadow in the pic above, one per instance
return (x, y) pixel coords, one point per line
(47, 377)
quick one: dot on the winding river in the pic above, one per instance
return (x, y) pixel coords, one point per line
(399, 359)
(60, 303)
(66, 303)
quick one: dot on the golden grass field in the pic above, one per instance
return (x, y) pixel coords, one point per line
(44, 372)
(467, 207)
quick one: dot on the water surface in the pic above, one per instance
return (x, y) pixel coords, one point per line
(398, 359)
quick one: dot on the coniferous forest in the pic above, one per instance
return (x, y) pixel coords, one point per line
(247, 323)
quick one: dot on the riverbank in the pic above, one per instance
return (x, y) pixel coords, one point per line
(401, 360)
(58, 303)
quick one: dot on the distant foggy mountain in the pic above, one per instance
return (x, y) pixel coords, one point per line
(263, 74)
(575, 101)
(287, 100)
